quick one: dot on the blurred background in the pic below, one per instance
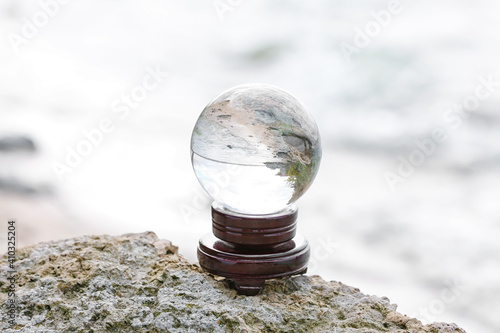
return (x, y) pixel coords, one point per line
(98, 100)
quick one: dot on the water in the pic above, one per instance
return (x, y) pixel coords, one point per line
(440, 225)
(247, 189)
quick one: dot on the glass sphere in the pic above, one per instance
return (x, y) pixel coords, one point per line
(255, 149)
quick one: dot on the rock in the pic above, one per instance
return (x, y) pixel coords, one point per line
(138, 283)
(24, 171)
(17, 143)
(14, 185)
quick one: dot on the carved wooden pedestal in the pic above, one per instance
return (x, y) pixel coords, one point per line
(250, 250)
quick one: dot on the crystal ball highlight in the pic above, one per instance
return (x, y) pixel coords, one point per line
(255, 149)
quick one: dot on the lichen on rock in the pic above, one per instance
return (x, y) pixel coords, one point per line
(138, 283)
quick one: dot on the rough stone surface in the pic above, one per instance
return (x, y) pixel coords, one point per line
(138, 283)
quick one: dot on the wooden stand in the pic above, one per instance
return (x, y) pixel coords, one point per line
(250, 250)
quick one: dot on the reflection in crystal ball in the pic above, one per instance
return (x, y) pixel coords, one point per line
(255, 149)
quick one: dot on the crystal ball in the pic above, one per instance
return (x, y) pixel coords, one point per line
(255, 149)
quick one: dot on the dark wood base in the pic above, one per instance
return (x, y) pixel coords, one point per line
(249, 258)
